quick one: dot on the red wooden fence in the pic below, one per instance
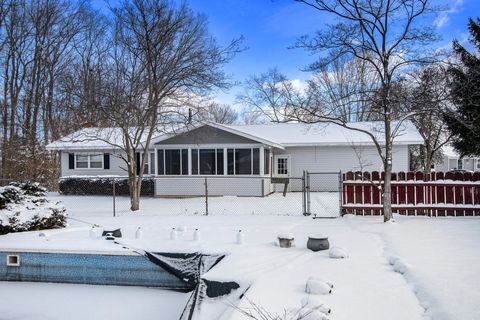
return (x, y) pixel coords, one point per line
(413, 193)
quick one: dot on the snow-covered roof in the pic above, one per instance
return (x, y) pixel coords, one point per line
(299, 134)
(279, 135)
(449, 152)
(91, 139)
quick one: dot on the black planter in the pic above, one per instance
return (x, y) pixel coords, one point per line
(318, 244)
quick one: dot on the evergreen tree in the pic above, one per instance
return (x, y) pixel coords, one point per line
(464, 121)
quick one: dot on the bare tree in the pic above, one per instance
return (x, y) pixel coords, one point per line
(34, 53)
(346, 87)
(388, 37)
(161, 53)
(428, 97)
(219, 113)
(271, 97)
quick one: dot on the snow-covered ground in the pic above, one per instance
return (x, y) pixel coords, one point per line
(415, 268)
(42, 301)
(323, 204)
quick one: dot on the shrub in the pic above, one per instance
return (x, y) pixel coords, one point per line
(24, 207)
(102, 186)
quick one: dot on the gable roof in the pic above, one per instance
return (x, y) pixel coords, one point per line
(278, 135)
(222, 127)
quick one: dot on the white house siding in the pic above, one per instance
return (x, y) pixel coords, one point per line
(442, 166)
(217, 186)
(447, 164)
(335, 159)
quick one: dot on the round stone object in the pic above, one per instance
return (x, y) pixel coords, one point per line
(318, 243)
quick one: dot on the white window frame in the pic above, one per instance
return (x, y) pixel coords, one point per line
(89, 155)
(189, 171)
(225, 156)
(289, 165)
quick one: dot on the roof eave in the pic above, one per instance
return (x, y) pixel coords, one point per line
(332, 144)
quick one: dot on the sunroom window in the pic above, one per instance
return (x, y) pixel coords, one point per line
(243, 161)
(207, 161)
(172, 161)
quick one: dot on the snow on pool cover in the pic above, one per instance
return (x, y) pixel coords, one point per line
(109, 263)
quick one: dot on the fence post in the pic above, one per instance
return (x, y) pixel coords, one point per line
(113, 193)
(307, 188)
(304, 195)
(340, 190)
(206, 196)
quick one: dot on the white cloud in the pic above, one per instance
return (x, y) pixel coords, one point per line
(444, 17)
(299, 84)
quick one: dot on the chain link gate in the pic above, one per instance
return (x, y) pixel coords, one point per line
(322, 194)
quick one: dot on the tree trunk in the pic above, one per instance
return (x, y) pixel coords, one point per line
(387, 192)
(134, 198)
(387, 179)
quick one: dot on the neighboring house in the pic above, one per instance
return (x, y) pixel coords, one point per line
(237, 159)
(451, 160)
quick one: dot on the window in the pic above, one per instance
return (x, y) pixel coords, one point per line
(96, 161)
(219, 161)
(243, 161)
(152, 163)
(81, 161)
(282, 165)
(146, 168)
(460, 164)
(89, 161)
(266, 161)
(160, 164)
(172, 161)
(207, 161)
(184, 161)
(256, 161)
(230, 162)
(478, 164)
(194, 161)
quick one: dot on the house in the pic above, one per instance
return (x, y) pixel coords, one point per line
(242, 160)
(451, 160)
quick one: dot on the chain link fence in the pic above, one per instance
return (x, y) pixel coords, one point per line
(312, 193)
(323, 193)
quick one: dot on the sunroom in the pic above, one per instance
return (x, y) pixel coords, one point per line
(233, 163)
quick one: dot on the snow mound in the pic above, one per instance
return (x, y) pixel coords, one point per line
(337, 253)
(312, 303)
(313, 314)
(398, 265)
(328, 282)
(314, 286)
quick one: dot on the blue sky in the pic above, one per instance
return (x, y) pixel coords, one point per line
(270, 27)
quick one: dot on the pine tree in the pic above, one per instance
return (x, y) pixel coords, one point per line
(464, 121)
